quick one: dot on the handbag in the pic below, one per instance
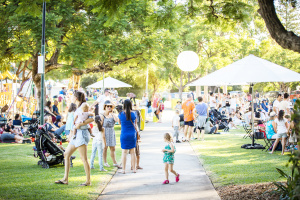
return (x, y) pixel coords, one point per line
(137, 132)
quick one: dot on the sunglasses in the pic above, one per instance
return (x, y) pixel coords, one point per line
(109, 106)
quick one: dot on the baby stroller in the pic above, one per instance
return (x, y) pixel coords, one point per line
(43, 145)
(217, 118)
(32, 128)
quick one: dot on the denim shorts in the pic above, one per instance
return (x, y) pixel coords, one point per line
(281, 135)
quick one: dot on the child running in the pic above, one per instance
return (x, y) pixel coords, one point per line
(98, 140)
(169, 152)
(81, 117)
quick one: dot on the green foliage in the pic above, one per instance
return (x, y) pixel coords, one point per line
(88, 80)
(291, 189)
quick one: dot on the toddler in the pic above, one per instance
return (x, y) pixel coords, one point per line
(169, 152)
(98, 140)
(81, 117)
(175, 125)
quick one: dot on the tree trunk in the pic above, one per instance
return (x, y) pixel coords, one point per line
(286, 39)
(180, 86)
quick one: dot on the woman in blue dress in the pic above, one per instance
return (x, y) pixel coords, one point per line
(128, 134)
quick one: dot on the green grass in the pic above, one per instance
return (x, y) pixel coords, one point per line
(22, 178)
(227, 163)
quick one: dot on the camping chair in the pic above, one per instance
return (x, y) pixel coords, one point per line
(248, 130)
(268, 143)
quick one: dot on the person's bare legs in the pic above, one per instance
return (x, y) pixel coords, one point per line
(133, 159)
(167, 171)
(124, 155)
(283, 145)
(83, 156)
(186, 127)
(190, 131)
(105, 154)
(275, 144)
(67, 155)
(18, 139)
(138, 162)
(172, 170)
(217, 128)
(198, 133)
(113, 155)
(202, 135)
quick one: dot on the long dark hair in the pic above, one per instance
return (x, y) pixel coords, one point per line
(48, 104)
(127, 108)
(80, 97)
(98, 122)
(72, 107)
(280, 115)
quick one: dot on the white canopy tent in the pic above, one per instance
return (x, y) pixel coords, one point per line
(251, 70)
(109, 83)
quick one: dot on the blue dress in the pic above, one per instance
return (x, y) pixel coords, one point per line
(128, 133)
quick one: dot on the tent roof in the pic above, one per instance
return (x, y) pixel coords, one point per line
(250, 69)
(109, 83)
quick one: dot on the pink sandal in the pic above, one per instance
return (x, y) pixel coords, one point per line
(166, 182)
(177, 178)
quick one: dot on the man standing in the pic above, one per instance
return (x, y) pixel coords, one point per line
(285, 104)
(276, 103)
(212, 101)
(201, 112)
(256, 94)
(100, 101)
(188, 107)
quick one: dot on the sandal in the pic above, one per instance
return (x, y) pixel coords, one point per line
(61, 182)
(122, 172)
(106, 165)
(138, 167)
(118, 166)
(84, 184)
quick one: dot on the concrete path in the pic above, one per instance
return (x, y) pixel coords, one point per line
(147, 183)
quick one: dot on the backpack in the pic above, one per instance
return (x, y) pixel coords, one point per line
(149, 104)
(162, 106)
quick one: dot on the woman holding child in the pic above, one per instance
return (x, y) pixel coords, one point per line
(80, 142)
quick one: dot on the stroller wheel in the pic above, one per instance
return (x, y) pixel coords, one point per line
(45, 165)
(40, 162)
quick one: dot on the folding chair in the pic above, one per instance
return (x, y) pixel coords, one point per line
(248, 130)
(268, 143)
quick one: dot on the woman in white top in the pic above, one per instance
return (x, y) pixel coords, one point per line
(80, 142)
(98, 140)
(280, 128)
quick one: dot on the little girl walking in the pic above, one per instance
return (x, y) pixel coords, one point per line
(70, 120)
(169, 152)
(98, 140)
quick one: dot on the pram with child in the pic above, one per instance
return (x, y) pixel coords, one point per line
(217, 118)
(47, 150)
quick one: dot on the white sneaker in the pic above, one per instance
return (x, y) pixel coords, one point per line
(106, 165)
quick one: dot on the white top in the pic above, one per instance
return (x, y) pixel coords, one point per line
(101, 99)
(281, 128)
(284, 105)
(247, 117)
(82, 116)
(276, 103)
(211, 103)
(98, 135)
(233, 102)
(176, 120)
(78, 110)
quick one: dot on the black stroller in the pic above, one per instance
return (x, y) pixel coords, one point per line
(217, 118)
(44, 144)
(32, 128)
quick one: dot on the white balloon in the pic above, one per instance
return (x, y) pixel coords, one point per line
(188, 61)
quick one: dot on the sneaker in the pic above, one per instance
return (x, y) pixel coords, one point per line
(177, 178)
(177, 141)
(103, 170)
(166, 182)
(106, 165)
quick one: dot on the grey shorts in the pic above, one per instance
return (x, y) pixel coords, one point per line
(281, 135)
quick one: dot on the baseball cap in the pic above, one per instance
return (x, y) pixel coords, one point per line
(272, 114)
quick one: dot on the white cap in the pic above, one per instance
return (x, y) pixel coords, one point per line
(272, 114)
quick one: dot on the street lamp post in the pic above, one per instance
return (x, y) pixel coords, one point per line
(187, 61)
(43, 64)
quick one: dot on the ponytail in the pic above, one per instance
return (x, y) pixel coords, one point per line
(98, 122)
(280, 115)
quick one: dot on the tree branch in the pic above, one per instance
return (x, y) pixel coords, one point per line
(199, 76)
(173, 81)
(286, 39)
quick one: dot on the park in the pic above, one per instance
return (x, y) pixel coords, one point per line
(139, 99)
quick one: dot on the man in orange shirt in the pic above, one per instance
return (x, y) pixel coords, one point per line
(188, 107)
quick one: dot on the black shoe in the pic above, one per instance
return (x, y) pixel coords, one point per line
(177, 141)
(73, 157)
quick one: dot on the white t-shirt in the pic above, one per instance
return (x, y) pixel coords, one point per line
(98, 135)
(247, 117)
(101, 99)
(207, 127)
(233, 102)
(281, 128)
(276, 104)
(176, 120)
(284, 105)
(211, 103)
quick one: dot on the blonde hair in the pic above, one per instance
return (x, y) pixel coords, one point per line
(85, 107)
(168, 137)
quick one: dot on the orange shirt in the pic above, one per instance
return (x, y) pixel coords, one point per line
(188, 107)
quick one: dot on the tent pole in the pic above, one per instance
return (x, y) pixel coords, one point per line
(252, 113)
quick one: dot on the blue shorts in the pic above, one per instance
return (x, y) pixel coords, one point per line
(189, 123)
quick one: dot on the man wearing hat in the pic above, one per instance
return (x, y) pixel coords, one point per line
(100, 101)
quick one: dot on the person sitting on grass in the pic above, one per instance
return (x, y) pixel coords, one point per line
(209, 128)
(281, 128)
(53, 129)
(9, 127)
(18, 122)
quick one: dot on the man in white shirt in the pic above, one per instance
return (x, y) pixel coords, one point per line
(100, 101)
(285, 104)
(212, 101)
(276, 103)
(233, 104)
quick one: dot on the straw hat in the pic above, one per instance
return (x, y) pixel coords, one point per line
(108, 102)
